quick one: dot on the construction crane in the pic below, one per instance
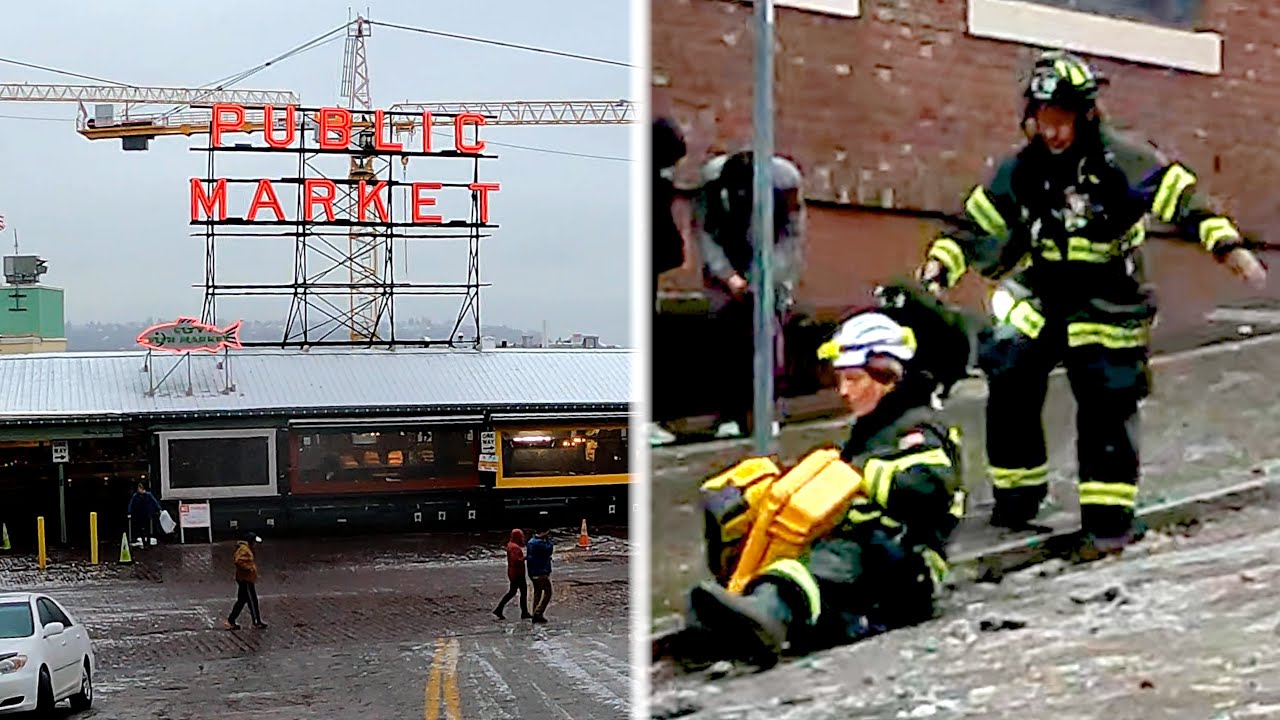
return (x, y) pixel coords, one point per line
(497, 112)
(136, 130)
(149, 95)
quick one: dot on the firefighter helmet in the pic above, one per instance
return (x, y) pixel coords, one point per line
(866, 335)
(1061, 78)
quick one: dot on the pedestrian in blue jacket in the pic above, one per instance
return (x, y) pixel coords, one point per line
(143, 509)
(539, 562)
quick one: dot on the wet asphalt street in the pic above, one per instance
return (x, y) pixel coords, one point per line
(384, 628)
(1181, 626)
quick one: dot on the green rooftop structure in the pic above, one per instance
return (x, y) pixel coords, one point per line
(32, 317)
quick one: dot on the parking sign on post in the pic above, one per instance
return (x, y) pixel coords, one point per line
(61, 453)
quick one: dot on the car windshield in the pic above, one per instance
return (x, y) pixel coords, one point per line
(15, 620)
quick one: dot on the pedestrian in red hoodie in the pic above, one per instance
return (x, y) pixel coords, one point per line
(516, 575)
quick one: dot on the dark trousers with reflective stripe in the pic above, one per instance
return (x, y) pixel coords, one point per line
(1107, 383)
(867, 582)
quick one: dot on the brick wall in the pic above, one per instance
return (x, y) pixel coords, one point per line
(902, 107)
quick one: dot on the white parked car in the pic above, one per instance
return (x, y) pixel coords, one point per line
(45, 656)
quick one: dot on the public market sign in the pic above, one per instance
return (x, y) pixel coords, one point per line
(318, 196)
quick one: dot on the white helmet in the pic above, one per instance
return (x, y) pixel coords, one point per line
(865, 335)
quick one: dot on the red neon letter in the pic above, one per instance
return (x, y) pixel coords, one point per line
(420, 202)
(221, 125)
(378, 121)
(334, 120)
(199, 200)
(374, 197)
(459, 142)
(484, 189)
(265, 197)
(309, 186)
(426, 132)
(290, 131)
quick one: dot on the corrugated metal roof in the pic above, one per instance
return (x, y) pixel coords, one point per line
(81, 385)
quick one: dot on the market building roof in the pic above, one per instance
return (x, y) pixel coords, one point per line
(72, 387)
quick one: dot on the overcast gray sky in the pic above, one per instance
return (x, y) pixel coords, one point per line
(113, 225)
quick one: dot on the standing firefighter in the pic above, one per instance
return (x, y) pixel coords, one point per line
(851, 542)
(1067, 217)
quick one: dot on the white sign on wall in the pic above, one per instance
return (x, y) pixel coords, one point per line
(194, 515)
(488, 452)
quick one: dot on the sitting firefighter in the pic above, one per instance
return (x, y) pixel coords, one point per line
(847, 543)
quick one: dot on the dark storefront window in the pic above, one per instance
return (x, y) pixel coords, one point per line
(218, 462)
(562, 452)
(1172, 13)
(333, 461)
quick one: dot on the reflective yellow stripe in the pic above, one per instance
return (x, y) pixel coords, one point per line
(880, 472)
(957, 504)
(1027, 319)
(1215, 230)
(1136, 236)
(1115, 494)
(797, 573)
(858, 517)
(1011, 478)
(1176, 181)
(1109, 336)
(937, 566)
(948, 252)
(1081, 250)
(1078, 77)
(984, 212)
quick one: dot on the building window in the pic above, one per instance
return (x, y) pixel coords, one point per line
(1182, 14)
(217, 462)
(839, 8)
(334, 461)
(564, 452)
(199, 465)
(1152, 32)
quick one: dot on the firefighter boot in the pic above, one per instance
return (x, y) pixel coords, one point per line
(1017, 509)
(1097, 546)
(752, 628)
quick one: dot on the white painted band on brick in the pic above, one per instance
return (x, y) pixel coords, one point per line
(1033, 24)
(839, 8)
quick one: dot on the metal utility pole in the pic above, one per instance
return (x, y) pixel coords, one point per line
(762, 226)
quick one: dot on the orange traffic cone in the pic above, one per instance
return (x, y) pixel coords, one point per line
(583, 540)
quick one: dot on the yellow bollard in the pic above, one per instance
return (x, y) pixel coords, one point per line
(40, 540)
(93, 538)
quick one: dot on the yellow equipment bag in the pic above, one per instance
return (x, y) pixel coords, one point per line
(730, 501)
(797, 509)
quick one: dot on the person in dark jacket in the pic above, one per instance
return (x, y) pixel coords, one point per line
(1062, 224)
(246, 584)
(723, 217)
(516, 576)
(144, 511)
(871, 533)
(540, 548)
(668, 243)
